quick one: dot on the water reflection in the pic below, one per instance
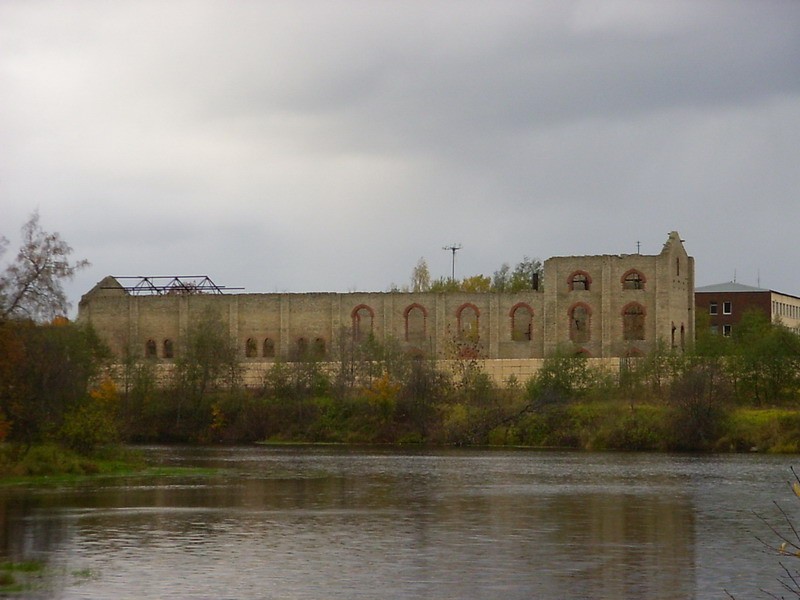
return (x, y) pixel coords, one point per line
(342, 523)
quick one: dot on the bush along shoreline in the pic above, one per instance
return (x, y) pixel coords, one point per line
(728, 395)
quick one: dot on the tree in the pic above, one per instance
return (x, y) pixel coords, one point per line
(421, 277)
(31, 286)
(518, 280)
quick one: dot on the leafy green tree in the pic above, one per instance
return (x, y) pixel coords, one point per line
(31, 286)
(767, 360)
(209, 359)
(421, 277)
(520, 279)
(47, 373)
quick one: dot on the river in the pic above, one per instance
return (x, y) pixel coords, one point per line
(295, 523)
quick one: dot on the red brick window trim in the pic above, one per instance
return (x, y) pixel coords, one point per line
(521, 315)
(579, 281)
(633, 279)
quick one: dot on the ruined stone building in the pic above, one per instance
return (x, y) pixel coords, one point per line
(601, 306)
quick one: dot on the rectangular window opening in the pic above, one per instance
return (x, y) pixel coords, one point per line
(712, 308)
(726, 308)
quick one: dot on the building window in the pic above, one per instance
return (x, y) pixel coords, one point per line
(712, 308)
(169, 349)
(269, 348)
(521, 323)
(726, 307)
(678, 267)
(726, 330)
(250, 348)
(683, 337)
(416, 322)
(319, 348)
(633, 322)
(467, 316)
(363, 317)
(302, 348)
(633, 280)
(579, 281)
(579, 323)
(150, 349)
(715, 329)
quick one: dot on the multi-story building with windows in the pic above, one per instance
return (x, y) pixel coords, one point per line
(726, 303)
(601, 306)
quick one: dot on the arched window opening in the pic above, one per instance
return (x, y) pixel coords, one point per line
(579, 281)
(363, 319)
(250, 350)
(633, 280)
(672, 343)
(678, 266)
(302, 348)
(683, 337)
(150, 349)
(633, 322)
(168, 349)
(416, 318)
(318, 349)
(579, 324)
(269, 348)
(468, 316)
(521, 323)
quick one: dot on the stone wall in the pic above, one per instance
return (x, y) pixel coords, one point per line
(602, 306)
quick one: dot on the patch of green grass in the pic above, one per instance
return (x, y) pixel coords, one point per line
(52, 465)
(17, 577)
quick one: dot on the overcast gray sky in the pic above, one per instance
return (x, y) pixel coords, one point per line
(327, 146)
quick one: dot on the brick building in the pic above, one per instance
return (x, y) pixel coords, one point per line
(726, 303)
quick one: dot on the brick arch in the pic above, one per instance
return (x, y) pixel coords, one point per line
(633, 321)
(579, 278)
(633, 279)
(361, 329)
(416, 330)
(521, 330)
(468, 329)
(583, 352)
(580, 322)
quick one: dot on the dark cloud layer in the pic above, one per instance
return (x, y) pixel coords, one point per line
(327, 146)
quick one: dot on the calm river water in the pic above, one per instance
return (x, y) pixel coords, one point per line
(343, 523)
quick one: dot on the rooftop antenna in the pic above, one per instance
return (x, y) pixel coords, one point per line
(638, 247)
(734, 276)
(453, 248)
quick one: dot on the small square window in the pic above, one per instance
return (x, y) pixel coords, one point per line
(726, 330)
(712, 308)
(715, 329)
(726, 308)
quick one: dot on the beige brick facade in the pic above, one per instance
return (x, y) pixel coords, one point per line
(603, 306)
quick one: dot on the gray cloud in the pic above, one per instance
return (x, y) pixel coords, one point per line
(327, 146)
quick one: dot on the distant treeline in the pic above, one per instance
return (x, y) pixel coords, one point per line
(727, 394)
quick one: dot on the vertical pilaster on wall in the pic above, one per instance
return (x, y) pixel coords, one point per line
(284, 305)
(183, 318)
(336, 317)
(440, 337)
(495, 323)
(551, 312)
(387, 312)
(233, 318)
(133, 326)
(606, 316)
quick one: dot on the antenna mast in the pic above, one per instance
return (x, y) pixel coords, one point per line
(453, 248)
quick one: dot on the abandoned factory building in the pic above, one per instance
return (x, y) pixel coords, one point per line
(601, 306)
